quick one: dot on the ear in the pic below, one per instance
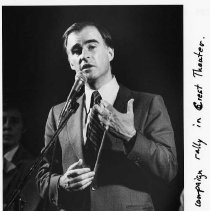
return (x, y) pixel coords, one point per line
(71, 64)
(110, 54)
(24, 130)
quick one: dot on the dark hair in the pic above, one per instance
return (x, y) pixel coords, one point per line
(81, 25)
(14, 103)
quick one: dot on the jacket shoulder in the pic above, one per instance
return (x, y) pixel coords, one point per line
(58, 107)
(142, 99)
(145, 97)
(137, 94)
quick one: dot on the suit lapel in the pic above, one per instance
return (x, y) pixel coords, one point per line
(123, 96)
(75, 129)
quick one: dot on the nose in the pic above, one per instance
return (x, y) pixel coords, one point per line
(85, 55)
(6, 124)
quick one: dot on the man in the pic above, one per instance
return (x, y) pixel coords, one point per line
(138, 146)
(16, 160)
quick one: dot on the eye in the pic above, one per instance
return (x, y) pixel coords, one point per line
(91, 47)
(76, 51)
(15, 120)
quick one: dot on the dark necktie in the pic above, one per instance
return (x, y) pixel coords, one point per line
(95, 98)
(94, 133)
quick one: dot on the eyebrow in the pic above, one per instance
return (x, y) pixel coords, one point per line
(86, 42)
(90, 41)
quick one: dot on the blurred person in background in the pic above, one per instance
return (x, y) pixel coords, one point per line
(16, 159)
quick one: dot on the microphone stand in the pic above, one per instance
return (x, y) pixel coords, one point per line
(69, 111)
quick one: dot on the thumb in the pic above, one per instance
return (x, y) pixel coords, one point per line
(76, 164)
(130, 106)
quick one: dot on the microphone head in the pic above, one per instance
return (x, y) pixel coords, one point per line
(81, 77)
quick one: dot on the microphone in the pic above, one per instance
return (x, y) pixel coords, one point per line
(80, 80)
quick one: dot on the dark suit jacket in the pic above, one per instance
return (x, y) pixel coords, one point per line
(126, 170)
(11, 179)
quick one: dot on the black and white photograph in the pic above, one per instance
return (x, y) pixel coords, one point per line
(93, 108)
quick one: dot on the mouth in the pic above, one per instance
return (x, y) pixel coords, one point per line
(86, 67)
(7, 136)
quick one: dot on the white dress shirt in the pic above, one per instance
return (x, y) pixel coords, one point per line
(8, 159)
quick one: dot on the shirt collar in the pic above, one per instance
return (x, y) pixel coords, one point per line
(108, 92)
(10, 154)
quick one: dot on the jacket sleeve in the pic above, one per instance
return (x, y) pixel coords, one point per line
(42, 176)
(154, 145)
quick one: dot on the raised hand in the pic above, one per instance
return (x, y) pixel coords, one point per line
(121, 123)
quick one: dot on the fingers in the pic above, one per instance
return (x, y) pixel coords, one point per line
(105, 121)
(130, 106)
(80, 184)
(104, 114)
(75, 165)
(108, 106)
(76, 179)
(78, 172)
(108, 114)
(84, 186)
(100, 109)
(105, 107)
(81, 178)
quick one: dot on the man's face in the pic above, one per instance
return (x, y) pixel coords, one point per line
(87, 52)
(12, 127)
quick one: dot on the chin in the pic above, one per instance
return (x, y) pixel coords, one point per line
(8, 143)
(90, 80)
(91, 76)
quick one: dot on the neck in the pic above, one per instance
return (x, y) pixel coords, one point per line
(96, 84)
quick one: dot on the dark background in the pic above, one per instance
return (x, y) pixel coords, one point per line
(148, 57)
